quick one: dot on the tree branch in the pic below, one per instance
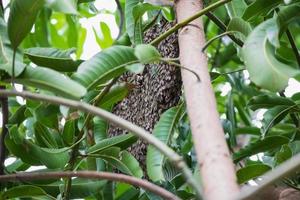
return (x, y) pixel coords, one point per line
(30, 176)
(216, 166)
(5, 114)
(294, 47)
(187, 21)
(118, 121)
(283, 170)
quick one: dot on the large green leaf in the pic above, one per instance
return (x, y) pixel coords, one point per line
(105, 65)
(265, 70)
(163, 131)
(268, 101)
(59, 60)
(121, 141)
(286, 16)
(25, 191)
(262, 145)
(236, 8)
(241, 26)
(52, 81)
(68, 7)
(250, 172)
(44, 137)
(21, 19)
(133, 27)
(260, 8)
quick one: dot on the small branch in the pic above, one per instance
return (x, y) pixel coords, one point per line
(121, 18)
(1, 7)
(187, 21)
(5, 114)
(215, 38)
(121, 123)
(283, 170)
(30, 176)
(294, 47)
(223, 27)
(75, 149)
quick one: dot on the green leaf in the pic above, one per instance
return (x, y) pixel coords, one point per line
(56, 59)
(140, 9)
(121, 141)
(163, 131)
(104, 66)
(105, 39)
(241, 26)
(21, 19)
(52, 81)
(3, 59)
(68, 133)
(274, 116)
(265, 70)
(67, 7)
(268, 101)
(100, 129)
(25, 191)
(236, 8)
(19, 116)
(262, 145)
(44, 137)
(260, 8)
(284, 154)
(133, 27)
(81, 188)
(146, 53)
(47, 115)
(132, 164)
(251, 171)
(136, 68)
(286, 16)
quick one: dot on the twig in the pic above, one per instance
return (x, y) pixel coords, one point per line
(121, 18)
(283, 170)
(74, 151)
(121, 123)
(223, 27)
(30, 176)
(217, 37)
(5, 113)
(187, 21)
(294, 47)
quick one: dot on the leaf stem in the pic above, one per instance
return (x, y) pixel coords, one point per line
(187, 21)
(176, 159)
(13, 68)
(80, 137)
(215, 38)
(293, 45)
(30, 176)
(5, 114)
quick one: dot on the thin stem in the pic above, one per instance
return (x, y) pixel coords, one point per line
(121, 18)
(13, 68)
(187, 21)
(182, 67)
(217, 37)
(223, 27)
(294, 47)
(30, 176)
(5, 114)
(288, 167)
(74, 152)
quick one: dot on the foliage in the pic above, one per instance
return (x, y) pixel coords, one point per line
(45, 57)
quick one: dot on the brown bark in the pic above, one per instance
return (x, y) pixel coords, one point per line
(217, 169)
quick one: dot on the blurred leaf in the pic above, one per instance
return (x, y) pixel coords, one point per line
(241, 26)
(24, 191)
(105, 39)
(268, 101)
(286, 16)
(56, 59)
(19, 116)
(163, 131)
(133, 27)
(284, 154)
(44, 137)
(236, 8)
(273, 75)
(68, 133)
(251, 171)
(136, 68)
(22, 16)
(52, 81)
(262, 145)
(260, 8)
(47, 115)
(116, 94)
(104, 66)
(140, 9)
(146, 53)
(121, 141)
(68, 7)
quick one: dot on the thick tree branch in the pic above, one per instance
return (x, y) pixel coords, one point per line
(216, 167)
(30, 176)
(118, 121)
(283, 170)
(5, 113)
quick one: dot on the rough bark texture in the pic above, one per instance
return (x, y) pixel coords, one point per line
(155, 90)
